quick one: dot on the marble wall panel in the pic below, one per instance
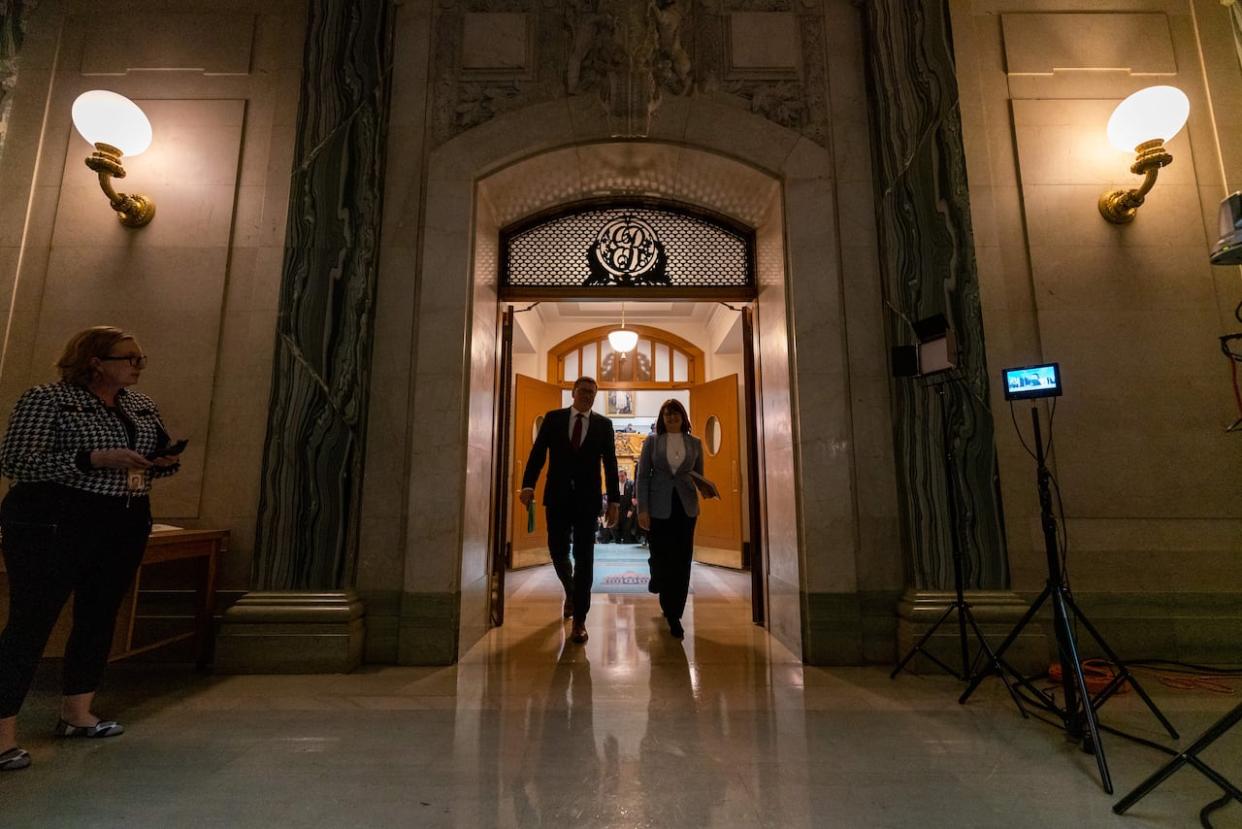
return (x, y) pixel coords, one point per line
(929, 267)
(314, 460)
(481, 430)
(782, 530)
(12, 33)
(439, 417)
(763, 43)
(496, 42)
(385, 505)
(1040, 44)
(217, 44)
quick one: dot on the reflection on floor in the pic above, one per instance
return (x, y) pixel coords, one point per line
(635, 729)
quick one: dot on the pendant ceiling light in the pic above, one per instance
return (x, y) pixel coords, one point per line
(623, 340)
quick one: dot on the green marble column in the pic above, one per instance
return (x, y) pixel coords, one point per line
(312, 468)
(13, 16)
(302, 615)
(928, 267)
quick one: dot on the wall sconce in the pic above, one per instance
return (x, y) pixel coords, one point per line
(1141, 124)
(116, 126)
(622, 339)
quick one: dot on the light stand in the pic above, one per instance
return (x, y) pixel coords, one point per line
(1080, 707)
(959, 605)
(1191, 756)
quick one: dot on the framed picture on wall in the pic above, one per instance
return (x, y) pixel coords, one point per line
(619, 403)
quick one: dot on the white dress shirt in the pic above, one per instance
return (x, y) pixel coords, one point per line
(674, 449)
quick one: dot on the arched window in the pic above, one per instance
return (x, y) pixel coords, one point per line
(661, 360)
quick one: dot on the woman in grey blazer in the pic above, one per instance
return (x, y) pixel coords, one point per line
(668, 506)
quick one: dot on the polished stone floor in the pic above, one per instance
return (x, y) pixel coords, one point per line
(635, 729)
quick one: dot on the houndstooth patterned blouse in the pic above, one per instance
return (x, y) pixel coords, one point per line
(55, 427)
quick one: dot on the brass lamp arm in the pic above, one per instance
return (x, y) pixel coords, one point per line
(1121, 206)
(132, 210)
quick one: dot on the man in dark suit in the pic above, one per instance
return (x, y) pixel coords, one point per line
(576, 439)
(627, 523)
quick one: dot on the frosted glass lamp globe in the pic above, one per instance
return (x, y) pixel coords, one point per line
(1157, 112)
(104, 117)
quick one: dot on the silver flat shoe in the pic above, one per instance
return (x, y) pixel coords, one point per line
(14, 759)
(103, 728)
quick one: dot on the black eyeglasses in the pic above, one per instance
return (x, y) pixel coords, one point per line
(135, 360)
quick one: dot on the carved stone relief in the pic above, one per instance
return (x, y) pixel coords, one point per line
(628, 55)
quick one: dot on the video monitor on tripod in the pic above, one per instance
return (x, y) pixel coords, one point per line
(1027, 382)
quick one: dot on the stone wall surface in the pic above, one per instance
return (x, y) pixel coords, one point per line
(198, 285)
(1147, 474)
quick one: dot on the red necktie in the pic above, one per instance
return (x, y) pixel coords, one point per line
(576, 440)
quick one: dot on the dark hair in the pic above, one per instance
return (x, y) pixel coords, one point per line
(585, 379)
(84, 346)
(676, 406)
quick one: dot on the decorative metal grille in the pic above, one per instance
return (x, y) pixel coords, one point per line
(628, 245)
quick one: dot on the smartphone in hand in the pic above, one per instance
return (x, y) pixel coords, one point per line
(172, 449)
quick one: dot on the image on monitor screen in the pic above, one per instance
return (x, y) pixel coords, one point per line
(1032, 381)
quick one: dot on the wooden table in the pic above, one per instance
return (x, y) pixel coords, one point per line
(203, 546)
(164, 546)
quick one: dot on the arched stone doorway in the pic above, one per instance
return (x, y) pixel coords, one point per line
(744, 167)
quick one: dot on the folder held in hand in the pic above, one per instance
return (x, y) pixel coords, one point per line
(706, 488)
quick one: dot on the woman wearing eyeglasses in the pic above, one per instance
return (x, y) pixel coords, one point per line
(82, 453)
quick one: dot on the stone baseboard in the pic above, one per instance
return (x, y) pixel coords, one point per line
(995, 611)
(292, 632)
(1201, 628)
(849, 628)
(428, 629)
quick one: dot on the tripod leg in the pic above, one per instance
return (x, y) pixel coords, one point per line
(918, 646)
(1166, 771)
(1123, 671)
(1009, 640)
(962, 612)
(995, 665)
(1066, 638)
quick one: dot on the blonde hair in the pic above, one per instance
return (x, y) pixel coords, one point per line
(97, 341)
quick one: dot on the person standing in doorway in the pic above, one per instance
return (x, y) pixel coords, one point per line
(627, 522)
(668, 507)
(574, 441)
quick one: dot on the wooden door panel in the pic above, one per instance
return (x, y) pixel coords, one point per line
(718, 533)
(532, 400)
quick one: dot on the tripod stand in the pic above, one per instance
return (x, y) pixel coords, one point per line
(1080, 707)
(959, 604)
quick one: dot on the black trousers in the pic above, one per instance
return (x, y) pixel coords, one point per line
(566, 526)
(671, 547)
(57, 541)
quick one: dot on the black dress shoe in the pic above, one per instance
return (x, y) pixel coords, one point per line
(675, 628)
